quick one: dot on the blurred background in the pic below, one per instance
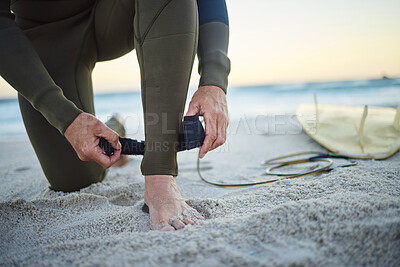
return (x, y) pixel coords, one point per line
(282, 52)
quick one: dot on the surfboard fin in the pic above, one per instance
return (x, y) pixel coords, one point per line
(316, 113)
(361, 128)
(396, 121)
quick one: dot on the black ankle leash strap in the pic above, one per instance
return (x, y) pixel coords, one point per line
(193, 136)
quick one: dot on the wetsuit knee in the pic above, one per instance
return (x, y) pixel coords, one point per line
(75, 181)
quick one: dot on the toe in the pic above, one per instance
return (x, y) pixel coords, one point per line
(200, 217)
(161, 225)
(164, 227)
(189, 221)
(178, 224)
(193, 214)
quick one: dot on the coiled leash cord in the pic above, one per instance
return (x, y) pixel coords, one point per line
(281, 162)
(193, 136)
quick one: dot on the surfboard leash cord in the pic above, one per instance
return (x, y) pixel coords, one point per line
(282, 161)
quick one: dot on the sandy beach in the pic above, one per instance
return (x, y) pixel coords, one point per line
(347, 217)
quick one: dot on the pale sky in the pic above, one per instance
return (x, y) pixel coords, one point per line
(290, 41)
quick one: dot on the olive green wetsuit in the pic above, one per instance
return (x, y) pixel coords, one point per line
(48, 50)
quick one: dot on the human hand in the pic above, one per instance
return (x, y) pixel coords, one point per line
(84, 134)
(210, 102)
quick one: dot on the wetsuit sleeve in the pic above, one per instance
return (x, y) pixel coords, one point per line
(22, 68)
(214, 64)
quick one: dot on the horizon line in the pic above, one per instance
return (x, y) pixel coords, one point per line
(137, 89)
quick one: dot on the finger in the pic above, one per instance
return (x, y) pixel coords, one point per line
(211, 135)
(221, 132)
(104, 160)
(98, 156)
(193, 109)
(115, 157)
(111, 136)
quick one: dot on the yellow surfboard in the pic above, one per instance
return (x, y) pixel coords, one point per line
(356, 132)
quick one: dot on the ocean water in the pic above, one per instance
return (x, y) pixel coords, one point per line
(243, 102)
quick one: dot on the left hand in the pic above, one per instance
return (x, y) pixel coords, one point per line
(210, 102)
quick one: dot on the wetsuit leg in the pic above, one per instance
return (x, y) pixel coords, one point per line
(68, 50)
(166, 43)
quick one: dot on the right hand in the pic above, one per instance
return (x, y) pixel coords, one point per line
(84, 134)
(210, 102)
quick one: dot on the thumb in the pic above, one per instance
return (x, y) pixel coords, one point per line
(193, 109)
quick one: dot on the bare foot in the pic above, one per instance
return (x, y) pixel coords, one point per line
(168, 210)
(123, 159)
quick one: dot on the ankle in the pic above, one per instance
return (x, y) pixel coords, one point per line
(160, 185)
(157, 179)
